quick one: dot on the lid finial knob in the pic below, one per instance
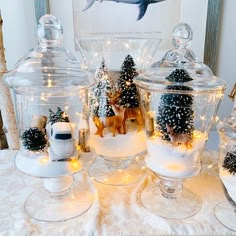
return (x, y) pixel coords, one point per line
(50, 32)
(182, 36)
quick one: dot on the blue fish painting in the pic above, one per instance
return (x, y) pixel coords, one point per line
(143, 4)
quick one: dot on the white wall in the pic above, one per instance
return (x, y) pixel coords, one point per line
(194, 12)
(19, 28)
(226, 65)
(62, 9)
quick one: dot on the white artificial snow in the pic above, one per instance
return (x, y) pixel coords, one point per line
(175, 161)
(122, 145)
(39, 165)
(229, 181)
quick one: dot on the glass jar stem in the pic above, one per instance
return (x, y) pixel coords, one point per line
(171, 188)
(117, 163)
(58, 187)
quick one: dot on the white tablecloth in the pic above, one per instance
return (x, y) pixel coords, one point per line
(116, 210)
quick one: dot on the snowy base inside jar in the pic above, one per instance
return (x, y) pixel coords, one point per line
(118, 157)
(175, 161)
(229, 182)
(40, 165)
(120, 146)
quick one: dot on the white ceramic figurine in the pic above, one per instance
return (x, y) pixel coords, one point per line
(61, 141)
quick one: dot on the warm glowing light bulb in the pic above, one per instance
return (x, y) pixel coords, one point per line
(75, 163)
(83, 66)
(43, 160)
(49, 81)
(127, 45)
(203, 117)
(43, 98)
(197, 135)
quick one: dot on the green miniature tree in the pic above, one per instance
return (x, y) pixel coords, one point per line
(102, 71)
(99, 104)
(58, 116)
(34, 139)
(129, 94)
(175, 110)
(230, 162)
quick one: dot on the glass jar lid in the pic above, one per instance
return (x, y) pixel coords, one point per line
(227, 127)
(49, 64)
(181, 66)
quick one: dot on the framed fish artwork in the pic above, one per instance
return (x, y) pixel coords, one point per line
(83, 18)
(142, 4)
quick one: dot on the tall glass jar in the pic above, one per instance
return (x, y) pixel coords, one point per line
(116, 120)
(179, 98)
(49, 90)
(117, 42)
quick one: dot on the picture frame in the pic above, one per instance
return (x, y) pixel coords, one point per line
(210, 32)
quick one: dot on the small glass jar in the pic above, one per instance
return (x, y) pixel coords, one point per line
(179, 97)
(49, 90)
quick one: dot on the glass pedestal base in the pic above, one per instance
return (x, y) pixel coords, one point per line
(226, 214)
(117, 173)
(185, 205)
(44, 206)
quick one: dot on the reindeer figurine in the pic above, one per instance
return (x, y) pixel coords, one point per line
(133, 113)
(116, 121)
(177, 139)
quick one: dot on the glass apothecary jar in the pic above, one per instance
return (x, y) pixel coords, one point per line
(179, 98)
(225, 211)
(49, 90)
